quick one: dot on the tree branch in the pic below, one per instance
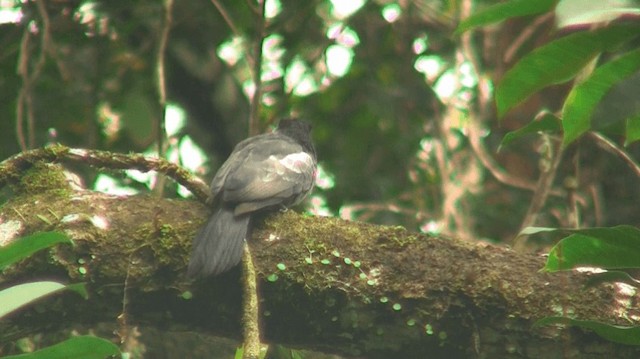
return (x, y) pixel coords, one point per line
(344, 287)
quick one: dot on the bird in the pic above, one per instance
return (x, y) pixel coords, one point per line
(267, 172)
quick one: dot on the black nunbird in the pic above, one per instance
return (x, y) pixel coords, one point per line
(270, 171)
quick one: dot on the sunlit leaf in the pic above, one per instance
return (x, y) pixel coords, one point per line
(615, 333)
(86, 347)
(583, 99)
(544, 122)
(505, 10)
(578, 12)
(15, 297)
(26, 246)
(556, 62)
(614, 247)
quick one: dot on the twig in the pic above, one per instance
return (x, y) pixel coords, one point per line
(524, 35)
(162, 90)
(610, 146)
(254, 114)
(25, 96)
(541, 193)
(250, 314)
(225, 15)
(23, 71)
(13, 166)
(161, 79)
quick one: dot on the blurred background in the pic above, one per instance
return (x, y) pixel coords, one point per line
(403, 106)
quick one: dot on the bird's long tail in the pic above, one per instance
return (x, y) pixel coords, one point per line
(218, 246)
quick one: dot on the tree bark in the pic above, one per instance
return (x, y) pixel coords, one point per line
(326, 284)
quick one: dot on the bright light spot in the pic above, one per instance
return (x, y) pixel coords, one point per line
(9, 230)
(147, 178)
(231, 51)
(346, 213)
(272, 8)
(324, 179)
(174, 119)
(343, 35)
(272, 51)
(345, 8)
(271, 71)
(590, 270)
(110, 121)
(431, 227)
(446, 85)
(420, 44)
(298, 79)
(10, 12)
(467, 75)
(100, 222)
(430, 66)
(339, 59)
(249, 88)
(626, 289)
(109, 185)
(391, 12)
(306, 86)
(318, 206)
(272, 47)
(191, 156)
(296, 70)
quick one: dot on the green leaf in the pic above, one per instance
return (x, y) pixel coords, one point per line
(86, 347)
(544, 122)
(15, 297)
(502, 11)
(632, 130)
(583, 99)
(615, 247)
(614, 333)
(556, 62)
(26, 246)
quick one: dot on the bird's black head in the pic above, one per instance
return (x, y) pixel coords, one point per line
(298, 130)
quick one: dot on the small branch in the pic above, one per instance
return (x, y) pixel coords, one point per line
(524, 35)
(25, 96)
(161, 83)
(13, 166)
(227, 19)
(610, 146)
(250, 308)
(254, 114)
(161, 75)
(541, 193)
(21, 103)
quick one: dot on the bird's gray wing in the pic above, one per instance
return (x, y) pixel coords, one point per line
(280, 173)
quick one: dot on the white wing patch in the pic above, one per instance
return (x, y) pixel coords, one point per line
(296, 162)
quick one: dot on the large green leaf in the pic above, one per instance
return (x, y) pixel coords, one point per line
(26, 246)
(583, 99)
(15, 297)
(609, 248)
(614, 333)
(85, 347)
(557, 62)
(502, 11)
